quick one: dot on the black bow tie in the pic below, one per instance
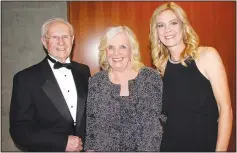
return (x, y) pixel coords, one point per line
(58, 65)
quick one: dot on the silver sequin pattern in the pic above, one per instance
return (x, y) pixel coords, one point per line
(130, 123)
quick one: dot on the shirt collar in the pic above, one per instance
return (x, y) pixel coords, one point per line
(67, 60)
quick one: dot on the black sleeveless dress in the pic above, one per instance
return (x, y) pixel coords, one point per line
(191, 109)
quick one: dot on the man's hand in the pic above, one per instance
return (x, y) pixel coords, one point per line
(74, 143)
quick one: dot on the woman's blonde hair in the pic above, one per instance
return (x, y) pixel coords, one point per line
(160, 52)
(110, 33)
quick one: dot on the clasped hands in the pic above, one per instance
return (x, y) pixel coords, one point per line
(74, 143)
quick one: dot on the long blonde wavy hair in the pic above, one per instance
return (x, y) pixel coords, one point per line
(110, 33)
(160, 52)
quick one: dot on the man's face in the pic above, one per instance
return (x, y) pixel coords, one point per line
(58, 41)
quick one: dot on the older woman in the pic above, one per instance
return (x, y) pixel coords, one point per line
(196, 94)
(124, 100)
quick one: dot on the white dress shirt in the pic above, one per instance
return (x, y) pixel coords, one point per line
(66, 83)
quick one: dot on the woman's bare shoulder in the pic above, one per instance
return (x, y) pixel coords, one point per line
(206, 52)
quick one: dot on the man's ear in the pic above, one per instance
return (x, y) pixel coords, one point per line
(72, 39)
(43, 40)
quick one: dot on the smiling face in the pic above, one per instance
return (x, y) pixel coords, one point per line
(119, 52)
(169, 28)
(58, 40)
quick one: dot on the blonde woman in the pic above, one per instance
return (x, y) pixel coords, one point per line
(196, 96)
(124, 100)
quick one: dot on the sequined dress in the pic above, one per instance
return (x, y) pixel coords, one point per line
(128, 123)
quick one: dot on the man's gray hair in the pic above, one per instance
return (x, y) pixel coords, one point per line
(46, 24)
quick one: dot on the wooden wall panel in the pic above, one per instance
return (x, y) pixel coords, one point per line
(213, 21)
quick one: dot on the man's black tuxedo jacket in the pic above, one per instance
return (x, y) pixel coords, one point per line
(39, 116)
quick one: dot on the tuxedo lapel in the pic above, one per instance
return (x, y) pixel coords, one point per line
(80, 83)
(52, 90)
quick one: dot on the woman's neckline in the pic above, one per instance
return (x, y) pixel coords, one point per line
(172, 61)
(177, 62)
(131, 80)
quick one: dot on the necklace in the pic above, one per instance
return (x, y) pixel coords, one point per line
(172, 61)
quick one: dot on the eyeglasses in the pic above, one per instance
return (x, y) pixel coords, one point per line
(57, 38)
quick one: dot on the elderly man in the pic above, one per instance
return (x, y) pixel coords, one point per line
(48, 99)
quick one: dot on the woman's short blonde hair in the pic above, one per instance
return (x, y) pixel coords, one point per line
(110, 33)
(160, 52)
